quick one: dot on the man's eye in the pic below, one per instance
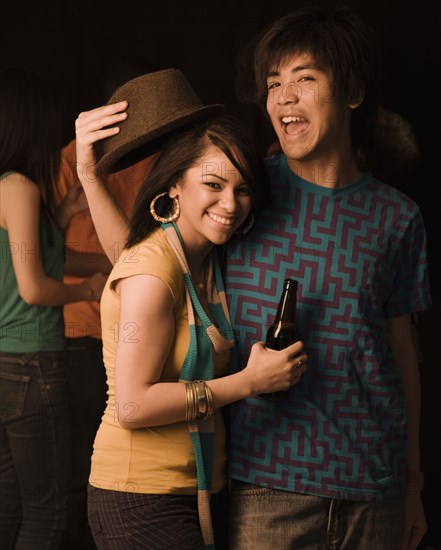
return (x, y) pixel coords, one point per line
(272, 85)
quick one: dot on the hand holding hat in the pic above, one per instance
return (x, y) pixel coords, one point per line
(158, 103)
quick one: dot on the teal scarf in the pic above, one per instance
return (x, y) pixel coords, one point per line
(206, 339)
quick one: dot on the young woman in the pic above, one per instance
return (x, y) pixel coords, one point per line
(160, 451)
(34, 458)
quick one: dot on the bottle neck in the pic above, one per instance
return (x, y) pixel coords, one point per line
(286, 311)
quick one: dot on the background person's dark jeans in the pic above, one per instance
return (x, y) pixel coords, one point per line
(88, 395)
(34, 450)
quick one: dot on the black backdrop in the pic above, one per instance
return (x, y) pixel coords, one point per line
(71, 43)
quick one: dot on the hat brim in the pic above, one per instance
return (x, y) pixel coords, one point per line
(142, 146)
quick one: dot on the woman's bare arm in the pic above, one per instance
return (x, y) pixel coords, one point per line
(146, 333)
(110, 222)
(20, 216)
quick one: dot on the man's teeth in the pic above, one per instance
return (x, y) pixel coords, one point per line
(288, 119)
(223, 221)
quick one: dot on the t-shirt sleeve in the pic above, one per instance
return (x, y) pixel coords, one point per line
(149, 258)
(411, 291)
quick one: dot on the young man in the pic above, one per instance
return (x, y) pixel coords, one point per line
(337, 464)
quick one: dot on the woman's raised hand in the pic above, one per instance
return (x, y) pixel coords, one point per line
(92, 126)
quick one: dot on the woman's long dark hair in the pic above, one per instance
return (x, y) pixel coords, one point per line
(31, 129)
(181, 152)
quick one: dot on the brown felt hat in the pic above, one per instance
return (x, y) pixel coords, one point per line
(158, 102)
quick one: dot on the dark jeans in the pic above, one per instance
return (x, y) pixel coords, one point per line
(88, 394)
(137, 521)
(34, 450)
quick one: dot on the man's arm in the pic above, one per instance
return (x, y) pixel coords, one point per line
(402, 345)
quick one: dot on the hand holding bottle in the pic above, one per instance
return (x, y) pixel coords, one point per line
(283, 330)
(273, 371)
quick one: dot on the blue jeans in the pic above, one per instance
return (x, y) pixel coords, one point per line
(34, 450)
(262, 518)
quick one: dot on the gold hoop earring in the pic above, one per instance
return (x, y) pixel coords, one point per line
(246, 227)
(172, 217)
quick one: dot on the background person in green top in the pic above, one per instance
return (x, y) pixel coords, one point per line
(34, 455)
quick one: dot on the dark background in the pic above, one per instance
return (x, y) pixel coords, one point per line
(72, 43)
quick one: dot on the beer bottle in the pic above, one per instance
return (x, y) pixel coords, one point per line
(283, 331)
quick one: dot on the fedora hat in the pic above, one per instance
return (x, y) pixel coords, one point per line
(158, 102)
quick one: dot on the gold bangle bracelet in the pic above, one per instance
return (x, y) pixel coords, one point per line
(201, 398)
(194, 401)
(191, 409)
(187, 402)
(209, 397)
(208, 402)
(198, 401)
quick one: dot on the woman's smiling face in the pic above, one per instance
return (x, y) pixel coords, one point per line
(215, 200)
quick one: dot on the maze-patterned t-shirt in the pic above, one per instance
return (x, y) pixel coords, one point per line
(359, 254)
